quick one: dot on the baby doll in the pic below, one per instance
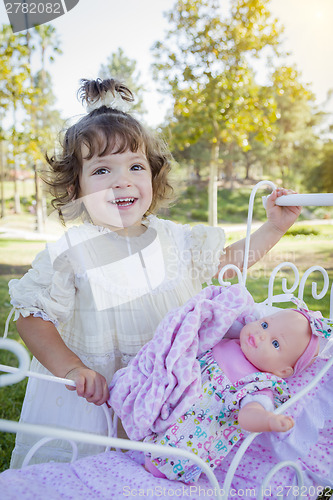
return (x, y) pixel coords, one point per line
(241, 381)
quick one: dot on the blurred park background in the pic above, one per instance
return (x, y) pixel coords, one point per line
(238, 111)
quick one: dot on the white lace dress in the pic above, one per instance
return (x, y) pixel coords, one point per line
(106, 295)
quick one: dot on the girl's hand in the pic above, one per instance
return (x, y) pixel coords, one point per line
(282, 218)
(280, 423)
(89, 384)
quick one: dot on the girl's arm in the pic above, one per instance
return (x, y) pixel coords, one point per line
(279, 221)
(253, 417)
(44, 341)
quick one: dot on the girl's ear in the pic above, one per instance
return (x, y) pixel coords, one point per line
(286, 372)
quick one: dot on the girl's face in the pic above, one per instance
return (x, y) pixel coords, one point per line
(116, 188)
(275, 343)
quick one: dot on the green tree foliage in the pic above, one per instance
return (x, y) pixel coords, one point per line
(291, 147)
(12, 63)
(295, 146)
(320, 178)
(26, 93)
(43, 43)
(13, 96)
(119, 66)
(47, 39)
(39, 132)
(206, 64)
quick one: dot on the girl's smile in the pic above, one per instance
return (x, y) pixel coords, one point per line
(123, 202)
(116, 188)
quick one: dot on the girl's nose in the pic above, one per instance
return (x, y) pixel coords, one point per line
(120, 181)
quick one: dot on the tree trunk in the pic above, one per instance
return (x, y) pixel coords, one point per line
(212, 188)
(39, 215)
(282, 171)
(248, 165)
(2, 181)
(17, 201)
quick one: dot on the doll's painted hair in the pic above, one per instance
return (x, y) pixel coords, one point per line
(102, 130)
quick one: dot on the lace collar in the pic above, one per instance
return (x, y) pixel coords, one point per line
(150, 221)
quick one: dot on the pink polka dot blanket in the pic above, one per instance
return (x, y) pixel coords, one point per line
(118, 475)
(164, 379)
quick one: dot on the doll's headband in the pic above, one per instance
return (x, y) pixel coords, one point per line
(320, 328)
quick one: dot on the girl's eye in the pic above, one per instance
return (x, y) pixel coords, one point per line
(264, 325)
(276, 344)
(137, 167)
(101, 171)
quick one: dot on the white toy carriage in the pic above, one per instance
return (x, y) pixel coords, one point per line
(306, 483)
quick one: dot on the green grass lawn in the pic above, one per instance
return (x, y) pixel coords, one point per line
(15, 259)
(302, 250)
(232, 205)
(305, 249)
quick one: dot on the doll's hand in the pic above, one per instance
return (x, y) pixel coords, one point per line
(281, 217)
(280, 423)
(89, 384)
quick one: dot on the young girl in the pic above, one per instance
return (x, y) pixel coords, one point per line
(92, 299)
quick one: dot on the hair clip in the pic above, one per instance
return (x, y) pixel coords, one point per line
(110, 101)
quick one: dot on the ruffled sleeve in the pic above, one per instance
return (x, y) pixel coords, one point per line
(206, 244)
(43, 291)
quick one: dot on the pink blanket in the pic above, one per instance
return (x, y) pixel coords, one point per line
(164, 379)
(117, 475)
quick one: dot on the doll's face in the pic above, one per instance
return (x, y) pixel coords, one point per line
(273, 344)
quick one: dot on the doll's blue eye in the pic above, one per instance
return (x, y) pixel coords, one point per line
(264, 324)
(276, 344)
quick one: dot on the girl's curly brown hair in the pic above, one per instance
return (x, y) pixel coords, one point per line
(102, 131)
